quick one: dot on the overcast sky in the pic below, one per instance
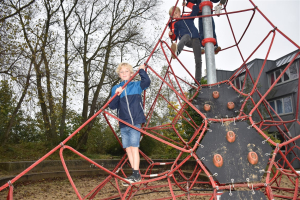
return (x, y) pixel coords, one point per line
(284, 14)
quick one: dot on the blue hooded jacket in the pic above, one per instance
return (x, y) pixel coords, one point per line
(185, 26)
(129, 104)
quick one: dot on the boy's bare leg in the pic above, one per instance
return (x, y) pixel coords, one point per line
(130, 155)
(133, 157)
(136, 158)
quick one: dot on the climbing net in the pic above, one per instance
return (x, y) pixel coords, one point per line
(221, 128)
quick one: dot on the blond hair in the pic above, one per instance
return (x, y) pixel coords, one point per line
(128, 66)
(171, 10)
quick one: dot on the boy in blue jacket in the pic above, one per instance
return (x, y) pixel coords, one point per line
(187, 33)
(129, 107)
(190, 4)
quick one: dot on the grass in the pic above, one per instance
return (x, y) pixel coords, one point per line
(34, 151)
(29, 151)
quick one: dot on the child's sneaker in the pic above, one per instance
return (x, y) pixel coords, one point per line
(217, 49)
(129, 179)
(136, 179)
(174, 49)
(202, 50)
(218, 9)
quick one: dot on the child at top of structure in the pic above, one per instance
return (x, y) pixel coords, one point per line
(185, 30)
(190, 4)
(129, 107)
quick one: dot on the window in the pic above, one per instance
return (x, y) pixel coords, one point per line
(282, 105)
(239, 81)
(294, 70)
(277, 74)
(290, 74)
(272, 104)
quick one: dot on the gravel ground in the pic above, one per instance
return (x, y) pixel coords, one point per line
(61, 189)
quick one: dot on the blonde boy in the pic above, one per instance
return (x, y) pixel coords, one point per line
(128, 103)
(184, 29)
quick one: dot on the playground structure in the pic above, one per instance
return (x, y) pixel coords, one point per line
(228, 146)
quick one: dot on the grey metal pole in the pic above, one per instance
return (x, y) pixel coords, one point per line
(209, 46)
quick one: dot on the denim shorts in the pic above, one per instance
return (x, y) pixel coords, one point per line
(130, 136)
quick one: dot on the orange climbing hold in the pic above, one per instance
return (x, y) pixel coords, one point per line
(252, 158)
(218, 160)
(230, 136)
(206, 107)
(230, 105)
(216, 94)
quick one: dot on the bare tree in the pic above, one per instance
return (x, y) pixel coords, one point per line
(17, 108)
(66, 51)
(67, 14)
(41, 43)
(110, 31)
(12, 8)
(13, 58)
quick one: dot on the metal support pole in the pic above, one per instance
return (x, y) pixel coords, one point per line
(209, 46)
